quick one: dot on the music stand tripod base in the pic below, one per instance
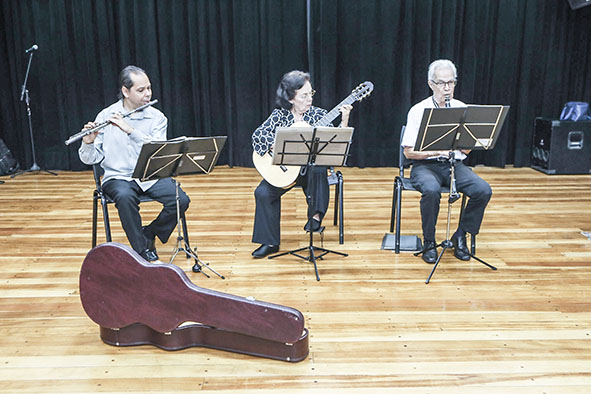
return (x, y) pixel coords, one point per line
(181, 243)
(447, 244)
(182, 246)
(311, 248)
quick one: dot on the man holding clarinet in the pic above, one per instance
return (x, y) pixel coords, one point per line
(117, 147)
(431, 169)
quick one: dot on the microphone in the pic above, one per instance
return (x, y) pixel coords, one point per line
(32, 49)
(447, 103)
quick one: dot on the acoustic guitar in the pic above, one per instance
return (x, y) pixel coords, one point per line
(135, 302)
(285, 176)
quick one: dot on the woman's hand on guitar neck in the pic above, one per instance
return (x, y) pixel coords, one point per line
(345, 112)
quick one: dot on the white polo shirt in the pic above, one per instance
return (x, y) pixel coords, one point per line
(413, 122)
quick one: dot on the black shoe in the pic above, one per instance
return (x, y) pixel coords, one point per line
(149, 255)
(460, 248)
(316, 225)
(265, 250)
(429, 256)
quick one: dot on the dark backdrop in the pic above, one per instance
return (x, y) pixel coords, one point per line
(215, 64)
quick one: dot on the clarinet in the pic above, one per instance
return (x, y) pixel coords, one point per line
(453, 193)
(99, 126)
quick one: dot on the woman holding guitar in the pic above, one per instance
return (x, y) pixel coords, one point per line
(294, 105)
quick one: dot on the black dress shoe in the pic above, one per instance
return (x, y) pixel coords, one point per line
(429, 256)
(149, 255)
(460, 248)
(265, 250)
(316, 225)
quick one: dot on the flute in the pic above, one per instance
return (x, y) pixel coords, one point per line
(99, 126)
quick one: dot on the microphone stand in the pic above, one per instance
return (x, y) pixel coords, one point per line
(25, 96)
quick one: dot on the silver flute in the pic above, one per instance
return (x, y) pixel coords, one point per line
(99, 126)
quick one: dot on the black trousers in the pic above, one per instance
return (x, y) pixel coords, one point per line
(427, 176)
(126, 195)
(267, 218)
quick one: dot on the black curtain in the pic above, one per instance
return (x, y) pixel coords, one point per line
(533, 55)
(215, 64)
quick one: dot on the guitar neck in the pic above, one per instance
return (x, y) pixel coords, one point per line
(334, 113)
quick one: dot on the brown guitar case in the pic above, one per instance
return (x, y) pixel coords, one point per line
(136, 303)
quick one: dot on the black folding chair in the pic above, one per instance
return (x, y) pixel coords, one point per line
(402, 183)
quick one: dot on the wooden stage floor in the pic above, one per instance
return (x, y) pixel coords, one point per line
(375, 326)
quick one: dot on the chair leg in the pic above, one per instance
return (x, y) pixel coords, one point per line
(396, 211)
(335, 216)
(341, 209)
(393, 214)
(94, 218)
(106, 219)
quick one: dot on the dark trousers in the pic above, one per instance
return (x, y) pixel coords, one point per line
(267, 218)
(427, 176)
(126, 195)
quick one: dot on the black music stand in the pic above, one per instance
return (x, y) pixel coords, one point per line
(472, 127)
(180, 156)
(311, 146)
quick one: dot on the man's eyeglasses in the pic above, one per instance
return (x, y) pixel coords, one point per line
(306, 96)
(442, 84)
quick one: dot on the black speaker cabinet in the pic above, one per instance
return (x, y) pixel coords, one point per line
(561, 147)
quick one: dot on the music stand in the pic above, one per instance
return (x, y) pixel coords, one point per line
(311, 146)
(471, 127)
(180, 156)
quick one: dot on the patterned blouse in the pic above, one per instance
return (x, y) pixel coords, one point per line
(264, 136)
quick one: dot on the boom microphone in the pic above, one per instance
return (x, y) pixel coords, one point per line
(32, 49)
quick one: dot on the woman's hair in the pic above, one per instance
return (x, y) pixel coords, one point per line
(292, 81)
(125, 78)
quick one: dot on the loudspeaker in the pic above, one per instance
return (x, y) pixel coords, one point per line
(561, 147)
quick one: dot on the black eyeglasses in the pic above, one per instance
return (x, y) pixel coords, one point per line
(442, 84)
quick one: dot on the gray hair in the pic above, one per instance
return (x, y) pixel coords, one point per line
(292, 81)
(441, 63)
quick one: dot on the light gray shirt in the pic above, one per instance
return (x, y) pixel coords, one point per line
(118, 150)
(413, 122)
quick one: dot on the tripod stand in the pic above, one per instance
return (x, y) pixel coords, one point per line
(182, 244)
(447, 243)
(25, 96)
(310, 147)
(311, 248)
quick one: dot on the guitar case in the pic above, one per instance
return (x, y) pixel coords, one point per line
(140, 303)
